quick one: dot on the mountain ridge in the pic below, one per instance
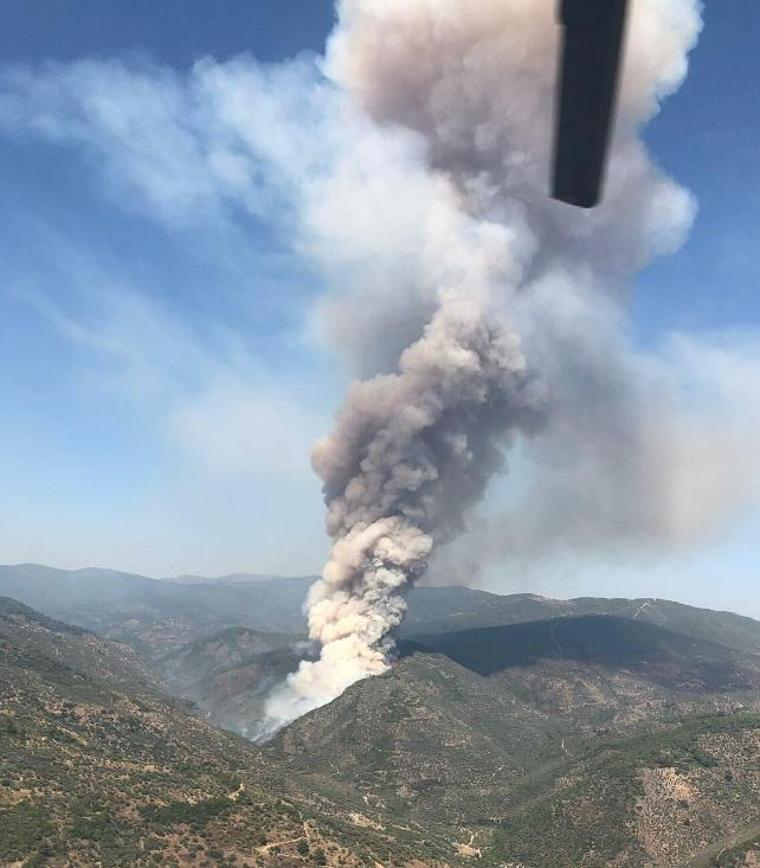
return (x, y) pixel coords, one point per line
(437, 608)
(565, 741)
(97, 767)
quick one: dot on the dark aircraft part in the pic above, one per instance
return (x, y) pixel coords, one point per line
(590, 63)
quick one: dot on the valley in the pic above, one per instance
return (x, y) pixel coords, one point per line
(512, 731)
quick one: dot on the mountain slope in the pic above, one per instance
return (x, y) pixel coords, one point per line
(443, 610)
(33, 635)
(162, 619)
(589, 740)
(559, 743)
(662, 656)
(95, 769)
(229, 674)
(155, 616)
(161, 616)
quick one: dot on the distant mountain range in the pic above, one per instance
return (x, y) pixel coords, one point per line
(513, 731)
(156, 616)
(231, 579)
(163, 615)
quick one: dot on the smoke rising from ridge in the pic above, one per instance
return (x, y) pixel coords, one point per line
(507, 282)
(410, 453)
(410, 168)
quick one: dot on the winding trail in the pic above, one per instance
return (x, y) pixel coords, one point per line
(642, 608)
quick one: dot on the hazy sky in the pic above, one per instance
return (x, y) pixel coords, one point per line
(161, 375)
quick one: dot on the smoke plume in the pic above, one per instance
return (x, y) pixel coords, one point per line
(508, 314)
(409, 169)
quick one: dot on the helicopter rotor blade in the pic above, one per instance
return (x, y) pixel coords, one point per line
(590, 66)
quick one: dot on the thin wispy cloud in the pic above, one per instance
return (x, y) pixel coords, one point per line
(213, 395)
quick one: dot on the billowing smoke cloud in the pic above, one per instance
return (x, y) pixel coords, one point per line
(508, 284)
(410, 166)
(410, 453)
(644, 458)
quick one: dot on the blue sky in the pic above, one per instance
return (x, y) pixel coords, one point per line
(161, 376)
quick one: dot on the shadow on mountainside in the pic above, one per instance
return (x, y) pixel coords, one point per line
(619, 643)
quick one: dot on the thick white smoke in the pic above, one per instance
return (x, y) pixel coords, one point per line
(411, 167)
(506, 283)
(410, 453)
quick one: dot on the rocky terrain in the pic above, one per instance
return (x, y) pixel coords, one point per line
(513, 731)
(565, 756)
(98, 768)
(229, 674)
